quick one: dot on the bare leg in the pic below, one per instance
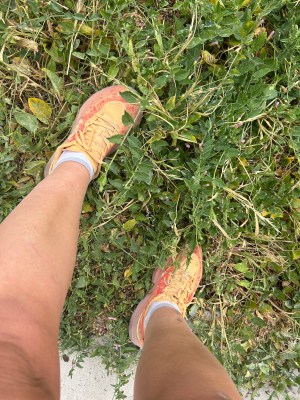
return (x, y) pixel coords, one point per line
(175, 365)
(38, 243)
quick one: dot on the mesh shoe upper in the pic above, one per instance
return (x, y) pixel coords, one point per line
(99, 118)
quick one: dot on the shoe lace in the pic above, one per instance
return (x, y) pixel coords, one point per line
(93, 138)
(179, 292)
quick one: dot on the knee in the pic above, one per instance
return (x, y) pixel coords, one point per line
(19, 378)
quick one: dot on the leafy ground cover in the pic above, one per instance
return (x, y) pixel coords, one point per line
(215, 161)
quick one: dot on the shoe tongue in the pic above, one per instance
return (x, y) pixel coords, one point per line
(113, 112)
(110, 113)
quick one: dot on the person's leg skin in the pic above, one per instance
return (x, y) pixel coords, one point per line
(175, 365)
(38, 243)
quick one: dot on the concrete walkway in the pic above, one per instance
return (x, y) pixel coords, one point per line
(92, 383)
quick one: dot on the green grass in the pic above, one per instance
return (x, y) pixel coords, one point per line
(215, 160)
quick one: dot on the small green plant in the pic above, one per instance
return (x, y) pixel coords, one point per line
(215, 161)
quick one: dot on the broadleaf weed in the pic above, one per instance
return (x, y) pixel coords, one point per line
(215, 161)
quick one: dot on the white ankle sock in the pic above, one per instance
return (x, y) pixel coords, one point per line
(155, 306)
(78, 157)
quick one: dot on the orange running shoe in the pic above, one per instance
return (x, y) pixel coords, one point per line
(176, 284)
(99, 118)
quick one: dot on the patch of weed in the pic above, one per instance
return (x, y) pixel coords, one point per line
(215, 161)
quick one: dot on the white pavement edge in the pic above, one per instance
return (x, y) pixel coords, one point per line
(91, 382)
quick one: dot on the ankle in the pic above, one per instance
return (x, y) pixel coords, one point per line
(157, 305)
(71, 171)
(165, 318)
(76, 157)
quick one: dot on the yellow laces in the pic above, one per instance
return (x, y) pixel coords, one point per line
(93, 138)
(180, 291)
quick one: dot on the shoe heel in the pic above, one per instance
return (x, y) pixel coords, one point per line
(47, 167)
